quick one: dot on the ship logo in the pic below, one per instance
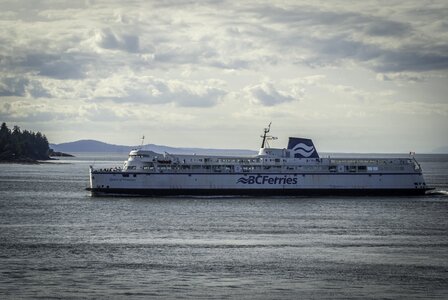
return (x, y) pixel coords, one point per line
(242, 180)
(268, 180)
(303, 149)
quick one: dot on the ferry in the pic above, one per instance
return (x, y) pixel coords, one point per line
(296, 170)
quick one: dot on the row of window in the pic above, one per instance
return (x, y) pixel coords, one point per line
(232, 168)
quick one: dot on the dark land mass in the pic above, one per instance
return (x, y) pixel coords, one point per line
(97, 146)
(441, 150)
(53, 153)
(19, 146)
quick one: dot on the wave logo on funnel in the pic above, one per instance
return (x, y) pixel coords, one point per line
(304, 150)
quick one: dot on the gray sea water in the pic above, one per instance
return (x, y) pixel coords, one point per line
(56, 241)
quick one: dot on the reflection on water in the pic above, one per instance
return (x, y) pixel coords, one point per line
(57, 241)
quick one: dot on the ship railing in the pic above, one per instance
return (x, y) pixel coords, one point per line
(114, 169)
(417, 166)
(229, 169)
(361, 161)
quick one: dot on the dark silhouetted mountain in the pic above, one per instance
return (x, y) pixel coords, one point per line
(89, 146)
(441, 150)
(97, 146)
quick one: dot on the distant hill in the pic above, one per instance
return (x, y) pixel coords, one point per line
(89, 146)
(441, 150)
(97, 146)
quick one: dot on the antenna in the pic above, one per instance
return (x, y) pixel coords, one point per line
(264, 136)
(143, 140)
(270, 138)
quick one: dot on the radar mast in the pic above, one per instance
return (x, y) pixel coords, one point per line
(264, 136)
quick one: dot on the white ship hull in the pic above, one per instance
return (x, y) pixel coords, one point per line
(256, 184)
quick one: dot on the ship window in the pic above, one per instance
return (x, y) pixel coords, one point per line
(332, 168)
(350, 168)
(164, 167)
(362, 168)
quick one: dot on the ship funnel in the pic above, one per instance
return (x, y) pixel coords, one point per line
(302, 148)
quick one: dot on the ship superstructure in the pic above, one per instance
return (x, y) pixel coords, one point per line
(296, 170)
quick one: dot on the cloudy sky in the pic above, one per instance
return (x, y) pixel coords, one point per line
(366, 76)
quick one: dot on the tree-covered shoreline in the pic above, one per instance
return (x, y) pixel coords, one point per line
(22, 146)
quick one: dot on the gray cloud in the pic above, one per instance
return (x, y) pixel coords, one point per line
(29, 111)
(22, 87)
(267, 95)
(342, 20)
(156, 91)
(417, 58)
(59, 66)
(411, 77)
(411, 59)
(233, 64)
(30, 11)
(36, 90)
(35, 116)
(329, 35)
(387, 28)
(126, 42)
(62, 69)
(345, 36)
(13, 86)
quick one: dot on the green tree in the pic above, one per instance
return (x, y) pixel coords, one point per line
(22, 144)
(5, 136)
(5, 142)
(16, 139)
